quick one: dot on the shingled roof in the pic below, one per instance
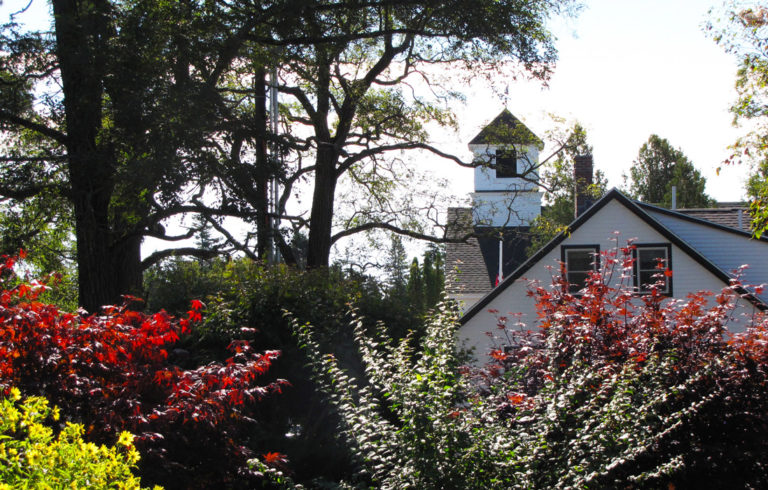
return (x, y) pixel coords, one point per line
(731, 216)
(465, 270)
(472, 266)
(506, 129)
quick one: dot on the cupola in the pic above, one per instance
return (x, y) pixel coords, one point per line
(506, 176)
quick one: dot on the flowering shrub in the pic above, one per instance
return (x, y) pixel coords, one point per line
(114, 372)
(30, 456)
(614, 391)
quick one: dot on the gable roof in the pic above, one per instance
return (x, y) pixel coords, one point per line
(637, 209)
(506, 129)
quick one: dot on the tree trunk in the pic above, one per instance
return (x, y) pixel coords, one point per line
(96, 284)
(126, 264)
(263, 221)
(321, 220)
(81, 35)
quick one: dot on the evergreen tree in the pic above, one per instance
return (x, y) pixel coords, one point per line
(415, 287)
(396, 267)
(658, 168)
(433, 275)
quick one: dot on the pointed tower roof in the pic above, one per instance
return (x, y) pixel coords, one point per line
(506, 129)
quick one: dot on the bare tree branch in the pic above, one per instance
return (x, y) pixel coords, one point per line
(158, 256)
(399, 231)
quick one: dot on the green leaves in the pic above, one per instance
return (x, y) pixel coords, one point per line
(31, 457)
(658, 168)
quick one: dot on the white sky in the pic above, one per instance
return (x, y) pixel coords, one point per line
(627, 70)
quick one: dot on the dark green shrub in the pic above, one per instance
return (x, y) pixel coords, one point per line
(245, 298)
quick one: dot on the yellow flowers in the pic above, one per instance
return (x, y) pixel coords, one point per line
(125, 439)
(31, 457)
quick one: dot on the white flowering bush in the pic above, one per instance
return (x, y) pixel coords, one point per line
(611, 392)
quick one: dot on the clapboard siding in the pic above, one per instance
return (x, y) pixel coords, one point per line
(613, 224)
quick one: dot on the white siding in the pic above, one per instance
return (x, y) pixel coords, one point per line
(505, 208)
(688, 275)
(485, 178)
(728, 251)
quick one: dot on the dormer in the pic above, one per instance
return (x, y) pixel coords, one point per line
(506, 177)
(508, 155)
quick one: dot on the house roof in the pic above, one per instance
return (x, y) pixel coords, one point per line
(639, 209)
(736, 217)
(472, 266)
(506, 129)
(465, 270)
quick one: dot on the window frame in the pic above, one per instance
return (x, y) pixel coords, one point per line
(636, 270)
(593, 249)
(507, 170)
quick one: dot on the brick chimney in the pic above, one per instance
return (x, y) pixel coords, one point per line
(582, 177)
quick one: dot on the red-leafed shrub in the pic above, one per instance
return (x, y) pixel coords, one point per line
(627, 391)
(112, 372)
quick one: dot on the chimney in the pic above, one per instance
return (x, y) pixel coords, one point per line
(582, 177)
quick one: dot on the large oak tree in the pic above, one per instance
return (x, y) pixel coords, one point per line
(355, 98)
(140, 108)
(116, 98)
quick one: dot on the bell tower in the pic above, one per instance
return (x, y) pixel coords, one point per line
(505, 202)
(506, 177)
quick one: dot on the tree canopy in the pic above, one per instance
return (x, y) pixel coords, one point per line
(660, 167)
(115, 140)
(162, 111)
(743, 31)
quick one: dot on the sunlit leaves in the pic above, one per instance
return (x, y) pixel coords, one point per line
(117, 371)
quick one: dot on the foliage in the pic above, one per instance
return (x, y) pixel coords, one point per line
(619, 391)
(415, 286)
(170, 285)
(116, 371)
(397, 264)
(614, 391)
(243, 295)
(344, 74)
(403, 421)
(658, 168)
(30, 456)
(433, 272)
(104, 113)
(742, 30)
(557, 181)
(415, 289)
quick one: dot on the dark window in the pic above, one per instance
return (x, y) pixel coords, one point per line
(653, 264)
(579, 261)
(506, 163)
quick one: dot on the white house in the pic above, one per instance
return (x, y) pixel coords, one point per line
(702, 256)
(491, 270)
